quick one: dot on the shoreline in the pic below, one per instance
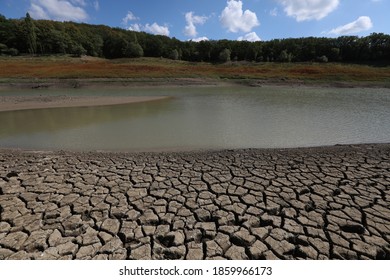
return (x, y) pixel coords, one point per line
(204, 151)
(112, 83)
(15, 103)
(109, 83)
(319, 203)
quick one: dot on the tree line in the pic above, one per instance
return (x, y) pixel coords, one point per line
(47, 37)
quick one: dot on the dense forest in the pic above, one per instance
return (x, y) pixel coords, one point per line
(46, 37)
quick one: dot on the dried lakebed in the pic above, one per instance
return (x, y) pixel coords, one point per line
(311, 203)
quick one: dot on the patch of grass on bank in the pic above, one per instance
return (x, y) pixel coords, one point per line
(65, 67)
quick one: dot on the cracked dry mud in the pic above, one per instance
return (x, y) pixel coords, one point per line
(319, 203)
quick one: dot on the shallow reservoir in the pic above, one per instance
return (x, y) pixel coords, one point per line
(203, 118)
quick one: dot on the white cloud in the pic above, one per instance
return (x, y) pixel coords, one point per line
(38, 12)
(135, 27)
(58, 10)
(363, 23)
(274, 12)
(157, 29)
(129, 17)
(192, 20)
(200, 39)
(96, 5)
(251, 37)
(150, 28)
(303, 10)
(235, 19)
(79, 2)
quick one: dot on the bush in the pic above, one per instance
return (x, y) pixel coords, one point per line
(134, 50)
(78, 51)
(285, 56)
(3, 48)
(224, 55)
(322, 59)
(174, 55)
(6, 51)
(12, 52)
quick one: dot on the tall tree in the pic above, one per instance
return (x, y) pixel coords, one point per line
(224, 55)
(31, 36)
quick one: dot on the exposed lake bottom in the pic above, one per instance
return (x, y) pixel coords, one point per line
(306, 203)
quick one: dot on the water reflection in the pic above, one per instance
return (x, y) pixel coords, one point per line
(58, 119)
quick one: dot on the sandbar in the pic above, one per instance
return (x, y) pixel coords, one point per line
(13, 103)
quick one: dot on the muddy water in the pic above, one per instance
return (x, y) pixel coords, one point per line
(204, 118)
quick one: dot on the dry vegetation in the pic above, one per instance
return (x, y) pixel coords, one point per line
(64, 67)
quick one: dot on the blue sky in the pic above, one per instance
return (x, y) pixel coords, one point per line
(217, 19)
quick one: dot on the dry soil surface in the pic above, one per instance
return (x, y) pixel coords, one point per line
(311, 203)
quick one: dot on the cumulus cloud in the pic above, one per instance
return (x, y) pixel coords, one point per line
(96, 5)
(251, 37)
(79, 2)
(192, 20)
(150, 28)
(274, 12)
(135, 27)
(129, 17)
(199, 39)
(153, 28)
(303, 10)
(58, 10)
(157, 29)
(38, 12)
(234, 19)
(363, 23)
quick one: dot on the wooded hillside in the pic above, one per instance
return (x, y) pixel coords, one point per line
(46, 37)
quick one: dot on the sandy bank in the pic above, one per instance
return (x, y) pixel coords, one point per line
(12, 103)
(112, 83)
(108, 83)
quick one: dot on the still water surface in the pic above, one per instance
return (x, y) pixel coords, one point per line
(205, 118)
